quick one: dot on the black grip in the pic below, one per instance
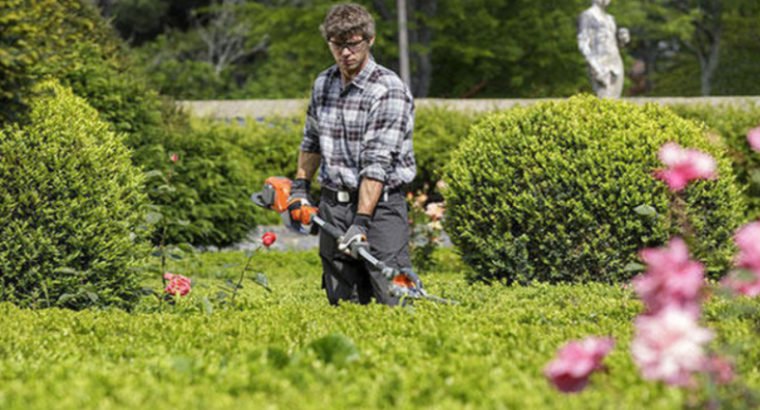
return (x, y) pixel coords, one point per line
(331, 229)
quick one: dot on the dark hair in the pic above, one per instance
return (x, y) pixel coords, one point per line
(346, 20)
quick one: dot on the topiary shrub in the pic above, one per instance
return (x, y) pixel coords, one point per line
(70, 205)
(551, 192)
(437, 131)
(731, 123)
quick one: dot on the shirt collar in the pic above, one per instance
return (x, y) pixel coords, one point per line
(361, 79)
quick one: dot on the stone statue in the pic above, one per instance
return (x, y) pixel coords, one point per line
(598, 40)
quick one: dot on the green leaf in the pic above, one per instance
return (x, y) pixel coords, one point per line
(336, 349)
(65, 298)
(154, 174)
(153, 218)
(634, 267)
(176, 256)
(645, 210)
(208, 308)
(262, 280)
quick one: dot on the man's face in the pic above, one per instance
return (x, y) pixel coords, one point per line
(350, 53)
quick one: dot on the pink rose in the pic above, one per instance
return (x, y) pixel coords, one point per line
(575, 361)
(177, 284)
(435, 210)
(684, 165)
(753, 137)
(174, 157)
(668, 346)
(747, 238)
(721, 369)
(671, 278)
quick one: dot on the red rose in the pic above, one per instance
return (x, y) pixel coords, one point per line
(268, 239)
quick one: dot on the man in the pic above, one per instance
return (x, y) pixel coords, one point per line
(598, 40)
(359, 134)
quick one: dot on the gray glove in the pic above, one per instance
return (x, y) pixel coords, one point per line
(355, 237)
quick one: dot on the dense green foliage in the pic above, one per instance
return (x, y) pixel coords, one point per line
(549, 192)
(290, 349)
(220, 165)
(70, 205)
(731, 123)
(437, 132)
(458, 49)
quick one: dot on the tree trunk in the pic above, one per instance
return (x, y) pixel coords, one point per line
(421, 38)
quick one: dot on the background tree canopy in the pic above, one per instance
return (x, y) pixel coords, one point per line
(202, 49)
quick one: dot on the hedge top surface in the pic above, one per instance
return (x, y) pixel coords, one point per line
(550, 192)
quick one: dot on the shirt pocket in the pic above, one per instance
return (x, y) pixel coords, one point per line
(354, 118)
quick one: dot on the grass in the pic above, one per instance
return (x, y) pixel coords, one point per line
(289, 349)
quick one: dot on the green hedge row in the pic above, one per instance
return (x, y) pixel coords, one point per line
(290, 349)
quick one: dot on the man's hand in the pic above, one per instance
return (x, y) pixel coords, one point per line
(355, 237)
(299, 196)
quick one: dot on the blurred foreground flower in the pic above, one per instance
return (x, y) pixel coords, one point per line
(747, 238)
(177, 284)
(174, 157)
(721, 369)
(671, 278)
(575, 361)
(746, 280)
(684, 165)
(668, 346)
(753, 137)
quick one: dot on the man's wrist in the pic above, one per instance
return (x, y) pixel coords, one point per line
(362, 220)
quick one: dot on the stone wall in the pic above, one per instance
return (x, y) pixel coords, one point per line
(228, 109)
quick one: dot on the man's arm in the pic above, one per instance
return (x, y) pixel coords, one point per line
(369, 193)
(387, 126)
(308, 162)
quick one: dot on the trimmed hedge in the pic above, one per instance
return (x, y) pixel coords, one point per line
(548, 192)
(732, 122)
(220, 166)
(290, 349)
(70, 206)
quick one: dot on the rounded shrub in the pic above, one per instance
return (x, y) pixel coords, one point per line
(554, 192)
(70, 207)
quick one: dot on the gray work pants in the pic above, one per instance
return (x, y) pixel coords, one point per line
(347, 279)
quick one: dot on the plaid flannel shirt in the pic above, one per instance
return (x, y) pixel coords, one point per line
(361, 130)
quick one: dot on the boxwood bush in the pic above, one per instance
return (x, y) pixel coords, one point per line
(550, 192)
(220, 166)
(437, 132)
(70, 205)
(732, 122)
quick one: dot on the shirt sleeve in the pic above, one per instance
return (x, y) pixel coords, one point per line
(387, 124)
(310, 142)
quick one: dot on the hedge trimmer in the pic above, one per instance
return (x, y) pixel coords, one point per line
(306, 219)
